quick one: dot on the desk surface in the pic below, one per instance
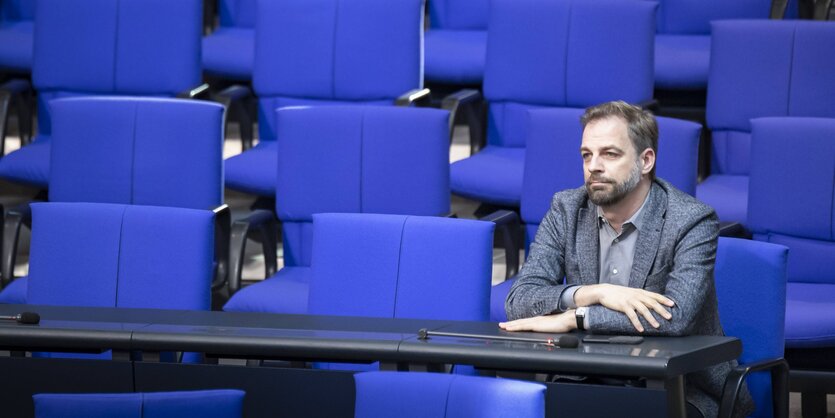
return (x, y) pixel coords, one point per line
(332, 338)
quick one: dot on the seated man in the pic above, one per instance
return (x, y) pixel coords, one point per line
(636, 253)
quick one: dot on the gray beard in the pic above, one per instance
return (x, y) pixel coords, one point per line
(619, 191)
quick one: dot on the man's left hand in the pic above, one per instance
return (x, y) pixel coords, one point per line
(557, 323)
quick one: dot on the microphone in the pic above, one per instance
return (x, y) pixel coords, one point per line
(564, 341)
(25, 318)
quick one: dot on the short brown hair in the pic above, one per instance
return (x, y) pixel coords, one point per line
(640, 124)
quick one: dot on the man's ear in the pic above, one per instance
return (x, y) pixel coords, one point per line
(647, 161)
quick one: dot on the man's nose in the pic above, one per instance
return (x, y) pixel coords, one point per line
(595, 165)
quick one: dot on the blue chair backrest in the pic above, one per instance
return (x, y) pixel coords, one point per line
(397, 266)
(795, 209)
(761, 68)
(436, 395)
(553, 163)
(459, 14)
(17, 10)
(159, 152)
(222, 403)
(331, 51)
(115, 47)
(564, 57)
(108, 255)
(750, 279)
(358, 159)
(689, 17)
(237, 13)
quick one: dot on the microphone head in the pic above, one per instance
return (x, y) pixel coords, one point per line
(423, 334)
(568, 341)
(29, 318)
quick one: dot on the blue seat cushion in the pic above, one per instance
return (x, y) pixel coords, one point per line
(494, 175)
(810, 315)
(229, 53)
(727, 194)
(498, 294)
(29, 164)
(682, 61)
(285, 292)
(16, 45)
(15, 292)
(455, 56)
(255, 170)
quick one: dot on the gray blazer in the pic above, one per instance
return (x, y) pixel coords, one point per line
(674, 255)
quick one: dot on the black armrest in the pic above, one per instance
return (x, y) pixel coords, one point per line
(266, 224)
(236, 99)
(779, 386)
(18, 93)
(416, 97)
(199, 92)
(209, 12)
(822, 9)
(778, 9)
(507, 223)
(734, 230)
(223, 231)
(15, 217)
(471, 104)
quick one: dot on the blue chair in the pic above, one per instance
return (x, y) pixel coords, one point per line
(795, 210)
(399, 266)
(223, 403)
(327, 52)
(760, 68)
(434, 395)
(563, 58)
(750, 280)
(682, 40)
(553, 163)
(229, 51)
(342, 159)
(456, 41)
(16, 28)
(159, 152)
(105, 47)
(123, 256)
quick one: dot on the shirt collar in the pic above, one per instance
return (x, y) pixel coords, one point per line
(635, 219)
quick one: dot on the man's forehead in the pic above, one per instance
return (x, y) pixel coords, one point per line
(609, 132)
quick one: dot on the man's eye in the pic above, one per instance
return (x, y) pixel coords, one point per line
(585, 155)
(611, 154)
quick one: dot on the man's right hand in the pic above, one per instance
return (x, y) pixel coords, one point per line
(630, 301)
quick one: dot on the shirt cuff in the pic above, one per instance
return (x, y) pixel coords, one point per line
(567, 298)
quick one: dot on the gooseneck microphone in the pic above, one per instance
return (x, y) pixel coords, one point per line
(26, 318)
(564, 341)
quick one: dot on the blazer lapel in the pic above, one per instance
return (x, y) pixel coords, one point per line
(649, 237)
(588, 245)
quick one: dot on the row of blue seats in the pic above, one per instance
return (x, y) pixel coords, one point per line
(455, 44)
(760, 68)
(378, 394)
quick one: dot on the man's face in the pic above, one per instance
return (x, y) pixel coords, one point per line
(611, 166)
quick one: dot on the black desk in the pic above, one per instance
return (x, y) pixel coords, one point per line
(662, 361)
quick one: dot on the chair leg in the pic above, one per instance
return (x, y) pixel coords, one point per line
(813, 404)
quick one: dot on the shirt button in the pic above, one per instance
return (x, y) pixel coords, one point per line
(616, 240)
(614, 271)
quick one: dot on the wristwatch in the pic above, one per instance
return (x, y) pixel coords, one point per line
(580, 315)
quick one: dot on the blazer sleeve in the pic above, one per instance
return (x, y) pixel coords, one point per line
(538, 287)
(689, 284)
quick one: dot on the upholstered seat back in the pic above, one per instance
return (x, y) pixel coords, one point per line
(162, 152)
(792, 190)
(115, 47)
(335, 50)
(397, 266)
(108, 255)
(564, 57)
(358, 159)
(762, 68)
